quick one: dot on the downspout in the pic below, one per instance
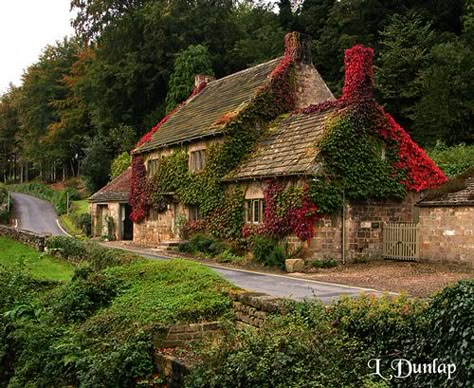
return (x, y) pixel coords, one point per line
(343, 227)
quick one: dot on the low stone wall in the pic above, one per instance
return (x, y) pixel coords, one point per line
(35, 240)
(171, 369)
(252, 308)
(181, 335)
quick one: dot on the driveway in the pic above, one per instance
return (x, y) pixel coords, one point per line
(35, 215)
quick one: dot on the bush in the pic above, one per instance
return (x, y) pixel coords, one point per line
(268, 252)
(201, 243)
(84, 223)
(452, 160)
(229, 257)
(325, 263)
(299, 349)
(97, 256)
(68, 248)
(448, 334)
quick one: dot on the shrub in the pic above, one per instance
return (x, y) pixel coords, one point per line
(384, 324)
(68, 248)
(448, 334)
(201, 243)
(229, 257)
(299, 349)
(262, 247)
(97, 256)
(325, 263)
(84, 223)
(452, 160)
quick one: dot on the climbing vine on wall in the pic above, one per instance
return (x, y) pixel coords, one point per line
(241, 131)
(288, 209)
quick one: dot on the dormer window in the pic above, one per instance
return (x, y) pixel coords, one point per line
(197, 160)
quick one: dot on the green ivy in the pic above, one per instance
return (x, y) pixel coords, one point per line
(352, 153)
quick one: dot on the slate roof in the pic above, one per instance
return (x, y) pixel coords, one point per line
(115, 191)
(289, 149)
(197, 117)
(464, 197)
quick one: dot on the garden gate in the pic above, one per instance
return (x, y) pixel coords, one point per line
(401, 241)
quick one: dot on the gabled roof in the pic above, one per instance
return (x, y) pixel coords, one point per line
(290, 149)
(197, 117)
(115, 191)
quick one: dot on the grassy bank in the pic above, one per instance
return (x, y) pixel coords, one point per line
(97, 329)
(16, 256)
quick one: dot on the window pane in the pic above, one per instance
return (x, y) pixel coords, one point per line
(256, 209)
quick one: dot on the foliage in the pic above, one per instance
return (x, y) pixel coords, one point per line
(448, 334)
(325, 263)
(189, 63)
(200, 243)
(96, 163)
(95, 255)
(453, 185)
(97, 329)
(452, 160)
(35, 264)
(120, 164)
(269, 252)
(297, 349)
(204, 189)
(4, 204)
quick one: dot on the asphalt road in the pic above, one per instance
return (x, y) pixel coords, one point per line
(39, 216)
(276, 285)
(35, 215)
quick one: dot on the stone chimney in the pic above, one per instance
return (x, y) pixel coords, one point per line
(298, 46)
(359, 74)
(202, 78)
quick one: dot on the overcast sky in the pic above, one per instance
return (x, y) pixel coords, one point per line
(26, 27)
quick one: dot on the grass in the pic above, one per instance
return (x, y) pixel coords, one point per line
(38, 265)
(76, 208)
(166, 292)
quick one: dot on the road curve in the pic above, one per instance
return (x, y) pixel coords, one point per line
(39, 216)
(35, 214)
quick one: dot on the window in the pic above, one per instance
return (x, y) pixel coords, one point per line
(197, 160)
(254, 209)
(152, 167)
(194, 213)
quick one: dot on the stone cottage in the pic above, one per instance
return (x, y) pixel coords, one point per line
(269, 150)
(110, 210)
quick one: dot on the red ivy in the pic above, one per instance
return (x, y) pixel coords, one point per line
(299, 219)
(138, 193)
(420, 172)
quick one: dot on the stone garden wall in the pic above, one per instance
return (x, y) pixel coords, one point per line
(35, 240)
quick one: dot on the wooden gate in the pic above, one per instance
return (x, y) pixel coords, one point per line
(401, 241)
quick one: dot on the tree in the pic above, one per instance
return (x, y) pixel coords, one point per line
(405, 51)
(190, 62)
(96, 164)
(120, 164)
(446, 109)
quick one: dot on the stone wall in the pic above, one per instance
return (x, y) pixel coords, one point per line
(364, 223)
(447, 235)
(180, 335)
(252, 308)
(172, 369)
(35, 240)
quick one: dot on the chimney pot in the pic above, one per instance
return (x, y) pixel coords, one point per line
(298, 46)
(202, 78)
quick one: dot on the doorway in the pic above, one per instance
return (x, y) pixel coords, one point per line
(127, 223)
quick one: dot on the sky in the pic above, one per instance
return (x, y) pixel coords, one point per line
(26, 27)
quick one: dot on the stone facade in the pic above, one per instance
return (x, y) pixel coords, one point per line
(106, 219)
(447, 234)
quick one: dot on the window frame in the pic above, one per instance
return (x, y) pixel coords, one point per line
(197, 160)
(254, 211)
